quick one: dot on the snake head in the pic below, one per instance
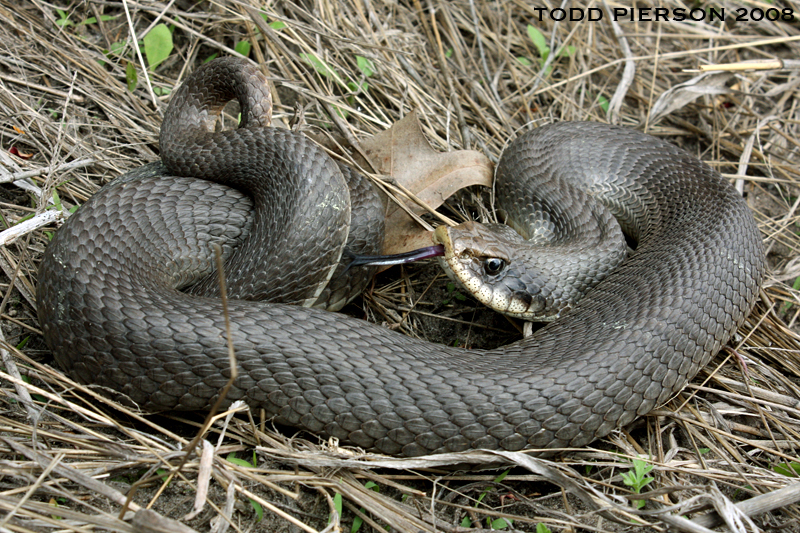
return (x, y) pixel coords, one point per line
(481, 258)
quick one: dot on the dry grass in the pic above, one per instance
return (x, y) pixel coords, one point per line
(72, 458)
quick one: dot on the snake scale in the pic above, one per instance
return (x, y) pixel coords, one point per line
(111, 311)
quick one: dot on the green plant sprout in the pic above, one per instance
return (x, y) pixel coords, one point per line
(492, 523)
(602, 101)
(789, 469)
(64, 20)
(451, 290)
(358, 521)
(243, 47)
(157, 45)
(231, 458)
(795, 286)
(366, 66)
(275, 24)
(539, 41)
(637, 479)
(337, 507)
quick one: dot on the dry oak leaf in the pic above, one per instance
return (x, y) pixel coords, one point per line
(404, 153)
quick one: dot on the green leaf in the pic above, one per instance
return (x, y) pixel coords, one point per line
(355, 89)
(344, 113)
(275, 25)
(602, 101)
(524, 61)
(22, 343)
(54, 503)
(366, 66)
(502, 476)
(566, 51)
(231, 458)
(500, 523)
(357, 523)
(211, 57)
(23, 219)
(793, 470)
(243, 47)
(319, 65)
(795, 286)
(64, 20)
(115, 49)
(93, 20)
(337, 506)
(538, 40)
(466, 522)
(157, 45)
(57, 201)
(258, 509)
(130, 76)
(542, 528)
(163, 473)
(637, 479)
(449, 53)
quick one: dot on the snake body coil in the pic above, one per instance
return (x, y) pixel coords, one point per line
(110, 309)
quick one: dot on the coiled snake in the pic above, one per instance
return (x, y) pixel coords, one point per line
(111, 313)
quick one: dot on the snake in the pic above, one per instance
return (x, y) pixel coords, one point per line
(128, 292)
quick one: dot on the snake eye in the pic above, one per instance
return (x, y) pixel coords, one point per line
(493, 265)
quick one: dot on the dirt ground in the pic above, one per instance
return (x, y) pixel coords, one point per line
(81, 102)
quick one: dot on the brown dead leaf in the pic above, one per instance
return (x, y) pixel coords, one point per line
(710, 83)
(404, 153)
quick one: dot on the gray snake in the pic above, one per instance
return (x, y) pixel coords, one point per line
(111, 311)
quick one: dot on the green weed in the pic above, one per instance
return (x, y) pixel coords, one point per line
(231, 458)
(491, 523)
(637, 479)
(539, 41)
